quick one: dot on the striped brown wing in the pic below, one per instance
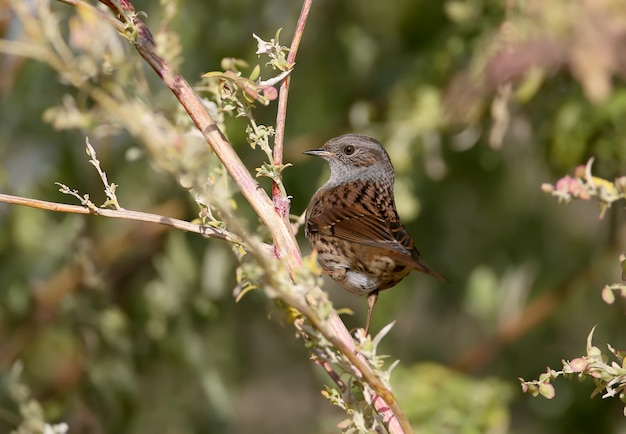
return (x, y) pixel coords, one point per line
(362, 214)
(368, 230)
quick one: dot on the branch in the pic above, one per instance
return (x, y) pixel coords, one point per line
(281, 203)
(123, 214)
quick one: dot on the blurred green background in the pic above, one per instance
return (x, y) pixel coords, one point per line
(131, 328)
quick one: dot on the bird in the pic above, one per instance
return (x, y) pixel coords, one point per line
(352, 223)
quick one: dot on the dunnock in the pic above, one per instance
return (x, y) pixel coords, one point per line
(353, 224)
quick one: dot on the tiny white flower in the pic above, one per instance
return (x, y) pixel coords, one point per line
(263, 47)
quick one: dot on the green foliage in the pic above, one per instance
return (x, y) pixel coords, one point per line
(441, 400)
(126, 328)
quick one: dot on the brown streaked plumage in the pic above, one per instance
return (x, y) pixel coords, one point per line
(353, 224)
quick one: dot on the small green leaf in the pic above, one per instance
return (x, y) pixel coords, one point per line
(590, 339)
(256, 72)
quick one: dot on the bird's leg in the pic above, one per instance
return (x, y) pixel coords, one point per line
(372, 298)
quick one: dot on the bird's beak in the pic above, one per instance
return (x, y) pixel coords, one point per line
(319, 153)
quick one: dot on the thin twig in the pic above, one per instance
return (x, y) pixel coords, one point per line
(330, 371)
(124, 215)
(281, 203)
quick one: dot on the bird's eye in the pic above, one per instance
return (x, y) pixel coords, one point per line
(348, 149)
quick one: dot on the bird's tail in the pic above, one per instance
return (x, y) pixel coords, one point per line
(426, 269)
